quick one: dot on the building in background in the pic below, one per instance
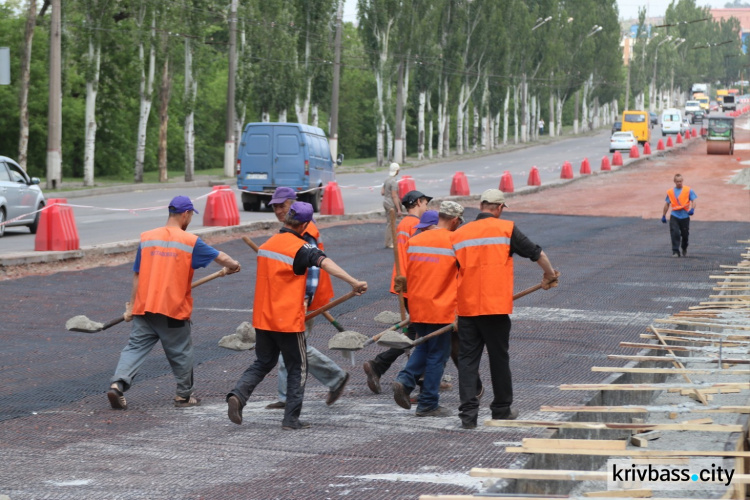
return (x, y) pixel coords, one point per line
(741, 13)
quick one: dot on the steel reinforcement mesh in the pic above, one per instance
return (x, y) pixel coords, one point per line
(60, 439)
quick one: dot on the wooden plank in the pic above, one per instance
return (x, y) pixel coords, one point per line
(700, 323)
(691, 371)
(628, 453)
(639, 442)
(641, 409)
(698, 421)
(724, 277)
(651, 387)
(668, 359)
(681, 348)
(702, 334)
(682, 426)
(575, 444)
(643, 493)
(700, 341)
(678, 364)
(688, 392)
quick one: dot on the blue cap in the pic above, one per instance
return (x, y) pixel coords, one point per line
(429, 218)
(180, 204)
(301, 211)
(282, 194)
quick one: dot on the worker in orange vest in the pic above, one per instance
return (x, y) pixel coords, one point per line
(415, 203)
(161, 303)
(681, 199)
(279, 313)
(430, 279)
(484, 251)
(318, 292)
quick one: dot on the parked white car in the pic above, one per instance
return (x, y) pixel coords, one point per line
(19, 195)
(622, 140)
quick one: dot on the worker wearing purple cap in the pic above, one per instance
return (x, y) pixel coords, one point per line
(279, 313)
(160, 303)
(318, 292)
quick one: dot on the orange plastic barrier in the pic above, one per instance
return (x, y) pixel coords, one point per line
(405, 184)
(605, 163)
(567, 171)
(57, 230)
(506, 183)
(534, 178)
(585, 166)
(221, 208)
(332, 203)
(459, 185)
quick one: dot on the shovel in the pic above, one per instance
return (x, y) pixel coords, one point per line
(93, 327)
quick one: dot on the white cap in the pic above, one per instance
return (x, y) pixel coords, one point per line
(393, 170)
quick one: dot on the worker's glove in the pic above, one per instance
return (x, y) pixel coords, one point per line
(664, 219)
(128, 314)
(550, 281)
(399, 284)
(691, 211)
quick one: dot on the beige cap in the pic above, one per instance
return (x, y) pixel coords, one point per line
(452, 209)
(393, 169)
(493, 196)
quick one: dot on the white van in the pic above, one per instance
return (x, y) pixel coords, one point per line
(691, 106)
(670, 121)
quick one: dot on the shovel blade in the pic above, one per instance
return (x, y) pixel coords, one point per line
(84, 330)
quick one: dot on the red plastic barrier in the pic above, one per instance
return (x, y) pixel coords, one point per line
(534, 178)
(704, 131)
(693, 133)
(660, 145)
(634, 152)
(332, 203)
(405, 184)
(506, 183)
(669, 142)
(221, 208)
(567, 171)
(605, 163)
(617, 159)
(459, 185)
(679, 138)
(57, 230)
(647, 149)
(585, 166)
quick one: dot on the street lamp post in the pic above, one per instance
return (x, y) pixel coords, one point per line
(652, 97)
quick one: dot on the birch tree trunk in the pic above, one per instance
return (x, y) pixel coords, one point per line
(265, 116)
(460, 120)
(506, 102)
(191, 90)
(381, 119)
(552, 114)
(398, 144)
(475, 132)
(575, 113)
(524, 111)
(420, 126)
(515, 114)
(404, 104)
(315, 115)
(282, 116)
(389, 142)
(23, 94)
(430, 129)
(533, 122)
(302, 107)
(440, 129)
(146, 94)
(447, 145)
(92, 88)
(166, 87)
(560, 103)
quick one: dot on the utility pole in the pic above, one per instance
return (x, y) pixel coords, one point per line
(54, 117)
(229, 153)
(334, 129)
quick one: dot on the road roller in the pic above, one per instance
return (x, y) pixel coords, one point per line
(720, 135)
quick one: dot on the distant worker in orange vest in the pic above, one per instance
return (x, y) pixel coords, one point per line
(318, 292)
(279, 313)
(681, 199)
(484, 250)
(415, 203)
(161, 304)
(431, 275)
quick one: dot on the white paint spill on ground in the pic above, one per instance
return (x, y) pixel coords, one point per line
(453, 479)
(556, 315)
(75, 482)
(676, 299)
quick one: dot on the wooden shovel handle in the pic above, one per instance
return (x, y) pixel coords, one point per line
(440, 331)
(113, 322)
(395, 327)
(529, 290)
(401, 303)
(218, 274)
(250, 243)
(330, 305)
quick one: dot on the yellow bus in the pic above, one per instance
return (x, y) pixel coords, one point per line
(638, 122)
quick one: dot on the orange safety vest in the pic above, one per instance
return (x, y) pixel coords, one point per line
(431, 277)
(404, 231)
(279, 303)
(324, 292)
(165, 273)
(681, 203)
(485, 273)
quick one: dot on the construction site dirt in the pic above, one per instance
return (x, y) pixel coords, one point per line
(60, 439)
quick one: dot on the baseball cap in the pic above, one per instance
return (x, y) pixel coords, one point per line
(493, 196)
(412, 196)
(180, 204)
(301, 211)
(452, 209)
(393, 169)
(429, 218)
(282, 194)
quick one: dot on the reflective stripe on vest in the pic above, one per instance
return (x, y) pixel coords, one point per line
(682, 202)
(405, 230)
(165, 273)
(278, 304)
(324, 292)
(485, 276)
(431, 277)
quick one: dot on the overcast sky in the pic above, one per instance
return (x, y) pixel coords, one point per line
(628, 8)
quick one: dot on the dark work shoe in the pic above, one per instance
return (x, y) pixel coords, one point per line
(278, 405)
(116, 398)
(438, 411)
(468, 424)
(180, 402)
(684, 252)
(335, 394)
(511, 414)
(299, 424)
(400, 396)
(675, 254)
(373, 379)
(234, 410)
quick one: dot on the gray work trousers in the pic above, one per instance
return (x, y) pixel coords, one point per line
(175, 340)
